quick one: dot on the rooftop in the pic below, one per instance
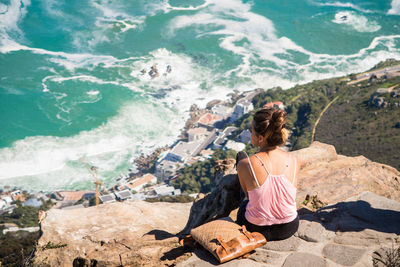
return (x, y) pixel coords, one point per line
(73, 195)
(244, 102)
(107, 198)
(185, 149)
(209, 119)
(272, 104)
(124, 194)
(197, 130)
(147, 178)
(230, 129)
(207, 152)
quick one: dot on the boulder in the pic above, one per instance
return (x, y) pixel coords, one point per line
(335, 177)
(116, 234)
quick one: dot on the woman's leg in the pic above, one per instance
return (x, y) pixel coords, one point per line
(281, 231)
(240, 218)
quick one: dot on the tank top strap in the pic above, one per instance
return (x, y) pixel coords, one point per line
(252, 170)
(294, 172)
(262, 163)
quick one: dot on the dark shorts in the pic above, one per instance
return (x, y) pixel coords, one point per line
(271, 232)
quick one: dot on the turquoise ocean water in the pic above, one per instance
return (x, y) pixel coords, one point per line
(71, 86)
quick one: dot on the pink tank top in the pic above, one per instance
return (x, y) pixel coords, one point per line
(274, 202)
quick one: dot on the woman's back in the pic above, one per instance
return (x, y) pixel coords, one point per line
(273, 199)
(276, 162)
(269, 179)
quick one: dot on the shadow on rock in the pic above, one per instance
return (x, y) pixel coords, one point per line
(160, 234)
(175, 253)
(374, 212)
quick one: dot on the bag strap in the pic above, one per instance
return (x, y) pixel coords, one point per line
(245, 232)
(222, 242)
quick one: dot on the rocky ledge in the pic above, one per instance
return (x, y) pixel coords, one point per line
(363, 217)
(348, 233)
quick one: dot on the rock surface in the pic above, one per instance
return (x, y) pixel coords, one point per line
(347, 232)
(116, 234)
(336, 248)
(335, 177)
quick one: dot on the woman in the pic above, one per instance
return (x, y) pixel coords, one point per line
(268, 179)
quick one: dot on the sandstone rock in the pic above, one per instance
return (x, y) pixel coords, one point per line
(127, 233)
(316, 152)
(290, 244)
(386, 220)
(311, 231)
(357, 214)
(365, 238)
(203, 258)
(265, 256)
(300, 259)
(343, 255)
(334, 178)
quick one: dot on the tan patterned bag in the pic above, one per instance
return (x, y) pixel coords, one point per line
(227, 240)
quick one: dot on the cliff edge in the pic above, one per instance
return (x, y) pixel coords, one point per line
(347, 232)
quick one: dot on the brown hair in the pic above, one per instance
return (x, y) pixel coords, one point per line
(270, 123)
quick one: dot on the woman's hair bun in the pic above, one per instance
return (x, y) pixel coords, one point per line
(278, 120)
(270, 123)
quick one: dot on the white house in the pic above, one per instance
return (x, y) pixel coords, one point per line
(243, 106)
(164, 190)
(222, 110)
(183, 150)
(167, 168)
(198, 133)
(234, 145)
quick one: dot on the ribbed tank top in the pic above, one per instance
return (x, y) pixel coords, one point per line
(274, 202)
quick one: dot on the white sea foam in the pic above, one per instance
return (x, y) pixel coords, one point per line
(93, 92)
(245, 25)
(395, 8)
(341, 4)
(55, 161)
(9, 17)
(107, 26)
(168, 6)
(357, 22)
(178, 89)
(262, 42)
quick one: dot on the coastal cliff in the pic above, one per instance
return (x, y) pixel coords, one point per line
(355, 223)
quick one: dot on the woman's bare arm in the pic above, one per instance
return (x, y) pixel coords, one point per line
(243, 174)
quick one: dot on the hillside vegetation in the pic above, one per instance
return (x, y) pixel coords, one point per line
(356, 127)
(352, 124)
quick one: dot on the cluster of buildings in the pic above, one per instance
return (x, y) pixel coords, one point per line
(146, 186)
(8, 198)
(207, 135)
